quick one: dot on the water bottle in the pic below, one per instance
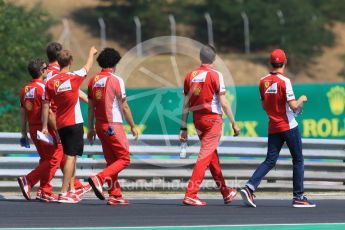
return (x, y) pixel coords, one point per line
(183, 151)
(24, 142)
(298, 111)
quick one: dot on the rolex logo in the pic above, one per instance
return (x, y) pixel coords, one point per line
(336, 98)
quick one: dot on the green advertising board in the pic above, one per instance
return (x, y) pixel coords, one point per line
(158, 111)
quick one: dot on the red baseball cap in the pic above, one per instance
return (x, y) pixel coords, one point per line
(278, 56)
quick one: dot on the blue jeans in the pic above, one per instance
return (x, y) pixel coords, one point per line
(275, 143)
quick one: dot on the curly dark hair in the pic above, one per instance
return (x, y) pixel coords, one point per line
(53, 50)
(108, 58)
(36, 66)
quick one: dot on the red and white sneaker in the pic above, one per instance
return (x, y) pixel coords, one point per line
(24, 187)
(38, 194)
(46, 197)
(231, 194)
(97, 187)
(117, 201)
(193, 201)
(68, 197)
(82, 191)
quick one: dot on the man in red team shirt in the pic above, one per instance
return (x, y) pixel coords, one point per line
(278, 100)
(31, 100)
(64, 91)
(52, 51)
(204, 91)
(107, 102)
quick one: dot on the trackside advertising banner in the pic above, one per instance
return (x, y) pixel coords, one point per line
(158, 111)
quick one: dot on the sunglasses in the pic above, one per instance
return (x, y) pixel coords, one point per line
(44, 67)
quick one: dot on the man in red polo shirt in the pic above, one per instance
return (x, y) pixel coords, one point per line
(31, 100)
(204, 91)
(64, 91)
(107, 103)
(278, 100)
(52, 51)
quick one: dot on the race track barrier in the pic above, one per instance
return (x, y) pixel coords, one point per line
(155, 162)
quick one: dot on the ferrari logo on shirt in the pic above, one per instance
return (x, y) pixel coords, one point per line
(267, 84)
(100, 83)
(194, 73)
(197, 91)
(26, 89)
(66, 86)
(272, 89)
(98, 94)
(96, 78)
(28, 105)
(56, 83)
(200, 77)
(30, 93)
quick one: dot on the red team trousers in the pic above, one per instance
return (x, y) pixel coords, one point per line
(209, 128)
(51, 158)
(116, 153)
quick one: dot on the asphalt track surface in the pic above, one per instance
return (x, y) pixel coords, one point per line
(17, 213)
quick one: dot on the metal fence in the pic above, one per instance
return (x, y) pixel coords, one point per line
(155, 163)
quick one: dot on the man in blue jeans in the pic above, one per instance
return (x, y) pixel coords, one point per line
(278, 100)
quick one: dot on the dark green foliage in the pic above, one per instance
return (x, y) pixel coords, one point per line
(302, 35)
(23, 35)
(332, 9)
(120, 23)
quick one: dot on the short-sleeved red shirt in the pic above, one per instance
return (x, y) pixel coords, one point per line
(31, 98)
(204, 85)
(53, 69)
(107, 91)
(63, 89)
(275, 92)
